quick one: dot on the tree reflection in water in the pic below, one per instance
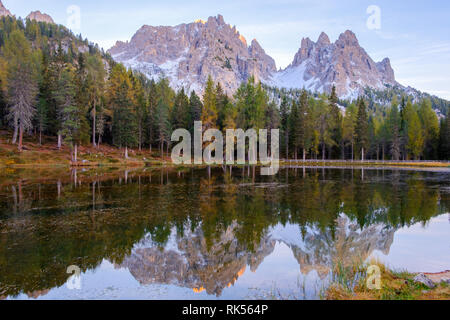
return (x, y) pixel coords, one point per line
(201, 229)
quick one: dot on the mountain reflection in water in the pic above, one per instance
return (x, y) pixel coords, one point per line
(203, 229)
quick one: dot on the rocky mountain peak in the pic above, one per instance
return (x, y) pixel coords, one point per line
(3, 11)
(348, 38)
(188, 53)
(323, 40)
(318, 66)
(40, 17)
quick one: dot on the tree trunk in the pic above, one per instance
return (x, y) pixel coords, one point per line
(304, 155)
(20, 138)
(59, 141)
(287, 147)
(140, 137)
(40, 137)
(76, 153)
(362, 154)
(16, 132)
(353, 151)
(94, 120)
(126, 153)
(323, 152)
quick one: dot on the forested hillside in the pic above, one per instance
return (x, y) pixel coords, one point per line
(57, 84)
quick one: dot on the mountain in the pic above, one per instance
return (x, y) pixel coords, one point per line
(318, 66)
(3, 11)
(40, 17)
(188, 53)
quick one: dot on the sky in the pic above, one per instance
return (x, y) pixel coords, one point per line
(414, 34)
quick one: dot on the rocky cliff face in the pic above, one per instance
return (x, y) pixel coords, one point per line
(188, 53)
(318, 66)
(40, 17)
(3, 11)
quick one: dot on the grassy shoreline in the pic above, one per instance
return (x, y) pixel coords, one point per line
(48, 155)
(350, 283)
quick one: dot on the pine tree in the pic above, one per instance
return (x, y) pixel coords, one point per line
(349, 128)
(303, 119)
(65, 96)
(180, 112)
(162, 125)
(22, 86)
(393, 124)
(445, 137)
(323, 123)
(124, 120)
(294, 129)
(284, 122)
(361, 128)
(41, 117)
(336, 125)
(150, 122)
(96, 87)
(195, 110)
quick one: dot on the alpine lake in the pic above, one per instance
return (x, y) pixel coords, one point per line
(213, 233)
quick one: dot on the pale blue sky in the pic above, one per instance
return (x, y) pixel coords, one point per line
(415, 34)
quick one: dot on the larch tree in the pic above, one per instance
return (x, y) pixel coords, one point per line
(416, 139)
(209, 112)
(430, 126)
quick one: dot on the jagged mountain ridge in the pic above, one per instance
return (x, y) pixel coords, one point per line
(318, 66)
(188, 53)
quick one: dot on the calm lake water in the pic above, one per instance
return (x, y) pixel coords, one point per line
(211, 234)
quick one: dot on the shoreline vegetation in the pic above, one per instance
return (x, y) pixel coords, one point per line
(47, 155)
(350, 283)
